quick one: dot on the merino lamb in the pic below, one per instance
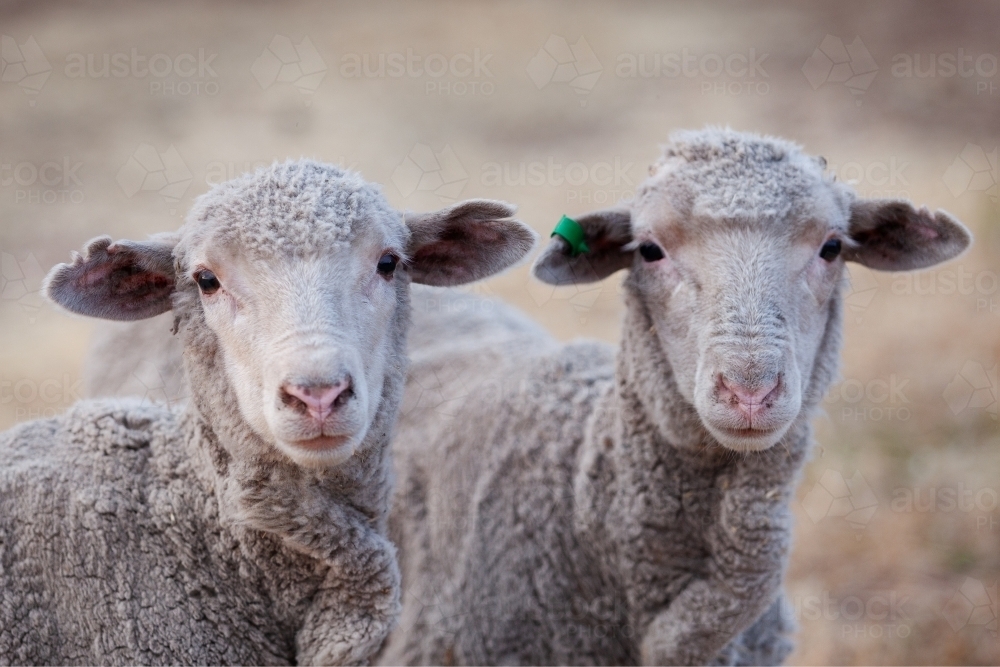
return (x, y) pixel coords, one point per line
(567, 505)
(249, 527)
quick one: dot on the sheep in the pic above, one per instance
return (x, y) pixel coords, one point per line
(250, 526)
(573, 505)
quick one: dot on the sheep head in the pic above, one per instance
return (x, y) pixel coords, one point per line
(295, 279)
(736, 247)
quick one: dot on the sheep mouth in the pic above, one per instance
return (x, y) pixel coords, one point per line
(322, 443)
(748, 439)
(748, 432)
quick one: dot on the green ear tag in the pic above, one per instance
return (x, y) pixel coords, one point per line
(570, 230)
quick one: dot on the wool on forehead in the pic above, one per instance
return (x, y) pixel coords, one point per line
(727, 175)
(295, 207)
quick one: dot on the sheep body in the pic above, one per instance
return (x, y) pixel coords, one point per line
(573, 504)
(586, 531)
(113, 550)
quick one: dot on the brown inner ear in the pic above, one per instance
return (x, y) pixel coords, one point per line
(454, 254)
(440, 255)
(605, 240)
(136, 282)
(892, 231)
(133, 287)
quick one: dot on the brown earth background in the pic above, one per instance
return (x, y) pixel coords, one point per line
(897, 548)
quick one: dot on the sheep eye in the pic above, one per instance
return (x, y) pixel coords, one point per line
(830, 250)
(207, 282)
(387, 264)
(651, 252)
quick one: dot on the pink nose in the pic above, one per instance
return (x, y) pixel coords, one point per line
(749, 402)
(322, 399)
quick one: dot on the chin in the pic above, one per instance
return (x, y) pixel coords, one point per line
(748, 439)
(326, 451)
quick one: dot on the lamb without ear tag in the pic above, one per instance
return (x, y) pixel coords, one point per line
(248, 527)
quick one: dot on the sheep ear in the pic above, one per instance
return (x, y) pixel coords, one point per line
(124, 280)
(465, 242)
(892, 235)
(606, 233)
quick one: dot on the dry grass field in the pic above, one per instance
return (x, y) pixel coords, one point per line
(114, 117)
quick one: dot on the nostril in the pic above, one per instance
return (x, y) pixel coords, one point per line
(344, 396)
(319, 400)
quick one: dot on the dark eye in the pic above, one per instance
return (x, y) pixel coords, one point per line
(651, 252)
(207, 281)
(830, 250)
(387, 264)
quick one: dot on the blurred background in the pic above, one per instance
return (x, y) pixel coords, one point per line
(115, 116)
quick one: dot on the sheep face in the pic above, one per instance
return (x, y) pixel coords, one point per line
(736, 247)
(293, 283)
(306, 338)
(740, 303)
